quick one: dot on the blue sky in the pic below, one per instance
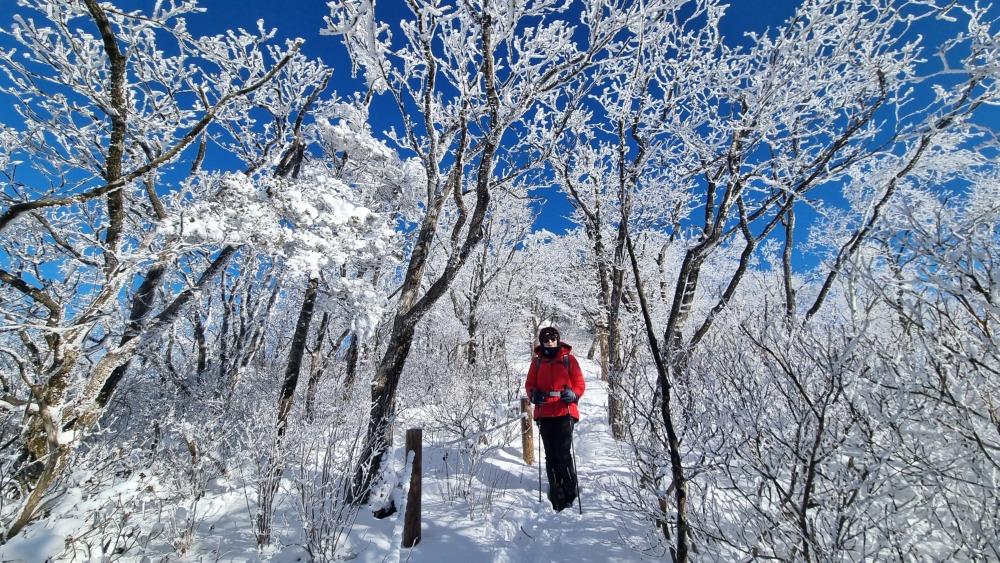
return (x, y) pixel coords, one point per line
(304, 18)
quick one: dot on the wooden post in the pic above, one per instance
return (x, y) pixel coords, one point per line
(411, 520)
(527, 439)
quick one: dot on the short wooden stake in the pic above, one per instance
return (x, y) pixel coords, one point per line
(527, 438)
(411, 520)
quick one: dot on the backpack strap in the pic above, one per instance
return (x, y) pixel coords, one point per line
(538, 364)
(565, 362)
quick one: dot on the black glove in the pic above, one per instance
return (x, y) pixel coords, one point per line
(537, 397)
(567, 396)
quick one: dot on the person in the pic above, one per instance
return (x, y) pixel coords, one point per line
(554, 385)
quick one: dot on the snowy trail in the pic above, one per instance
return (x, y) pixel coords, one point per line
(497, 516)
(597, 534)
(519, 528)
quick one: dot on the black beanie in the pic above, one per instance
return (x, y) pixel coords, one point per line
(547, 333)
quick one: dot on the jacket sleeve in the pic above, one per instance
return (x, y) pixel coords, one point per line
(532, 382)
(576, 377)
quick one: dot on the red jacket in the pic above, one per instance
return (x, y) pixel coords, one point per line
(551, 375)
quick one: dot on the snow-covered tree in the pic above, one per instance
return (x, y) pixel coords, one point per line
(464, 78)
(720, 146)
(113, 225)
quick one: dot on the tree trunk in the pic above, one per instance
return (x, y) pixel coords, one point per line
(317, 367)
(384, 386)
(786, 263)
(616, 366)
(680, 549)
(351, 359)
(605, 350)
(274, 466)
(616, 403)
(202, 347)
(286, 398)
(142, 304)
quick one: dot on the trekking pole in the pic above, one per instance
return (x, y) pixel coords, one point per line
(539, 461)
(572, 446)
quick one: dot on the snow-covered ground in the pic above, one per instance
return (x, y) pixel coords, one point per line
(520, 528)
(496, 517)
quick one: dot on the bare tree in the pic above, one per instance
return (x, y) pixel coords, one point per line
(463, 81)
(503, 232)
(105, 117)
(745, 137)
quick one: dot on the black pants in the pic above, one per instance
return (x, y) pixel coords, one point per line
(557, 437)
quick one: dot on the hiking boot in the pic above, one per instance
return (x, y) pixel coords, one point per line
(557, 496)
(570, 499)
(560, 496)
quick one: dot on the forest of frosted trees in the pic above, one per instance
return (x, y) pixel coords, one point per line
(784, 254)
